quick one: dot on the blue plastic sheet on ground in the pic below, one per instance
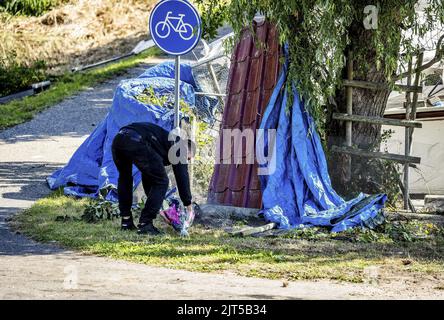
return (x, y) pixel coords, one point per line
(299, 192)
(91, 168)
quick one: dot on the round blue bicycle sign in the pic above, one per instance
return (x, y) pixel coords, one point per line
(175, 26)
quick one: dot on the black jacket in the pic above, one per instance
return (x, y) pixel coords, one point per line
(157, 138)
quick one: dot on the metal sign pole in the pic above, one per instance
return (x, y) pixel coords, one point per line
(176, 92)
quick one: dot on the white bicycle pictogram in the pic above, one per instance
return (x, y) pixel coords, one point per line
(163, 28)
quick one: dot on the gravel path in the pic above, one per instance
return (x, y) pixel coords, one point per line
(31, 151)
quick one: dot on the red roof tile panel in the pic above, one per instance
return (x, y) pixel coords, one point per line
(254, 199)
(251, 113)
(272, 72)
(244, 47)
(221, 184)
(240, 72)
(239, 175)
(254, 180)
(232, 116)
(253, 76)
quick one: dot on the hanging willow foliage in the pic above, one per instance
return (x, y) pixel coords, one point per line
(319, 32)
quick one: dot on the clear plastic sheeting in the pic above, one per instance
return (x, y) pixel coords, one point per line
(214, 54)
(211, 70)
(91, 168)
(298, 193)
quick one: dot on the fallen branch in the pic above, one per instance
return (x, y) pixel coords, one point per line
(406, 216)
(253, 230)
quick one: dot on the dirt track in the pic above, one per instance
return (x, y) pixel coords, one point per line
(31, 151)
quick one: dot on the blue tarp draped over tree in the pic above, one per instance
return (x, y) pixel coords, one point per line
(299, 192)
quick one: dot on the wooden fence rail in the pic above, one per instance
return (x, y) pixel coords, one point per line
(377, 120)
(409, 123)
(380, 86)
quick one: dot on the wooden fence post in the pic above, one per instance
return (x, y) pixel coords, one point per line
(409, 123)
(410, 114)
(405, 187)
(349, 124)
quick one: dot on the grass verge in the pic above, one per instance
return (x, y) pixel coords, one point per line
(214, 251)
(19, 111)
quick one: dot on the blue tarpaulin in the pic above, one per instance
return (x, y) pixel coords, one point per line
(299, 192)
(91, 168)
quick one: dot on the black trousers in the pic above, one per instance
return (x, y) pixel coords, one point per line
(126, 152)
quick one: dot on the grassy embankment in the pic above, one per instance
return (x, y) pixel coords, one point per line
(413, 249)
(19, 111)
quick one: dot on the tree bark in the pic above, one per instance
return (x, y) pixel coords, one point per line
(365, 136)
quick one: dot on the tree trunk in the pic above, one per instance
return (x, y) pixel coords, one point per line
(364, 177)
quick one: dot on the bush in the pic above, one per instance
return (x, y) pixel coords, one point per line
(27, 7)
(16, 76)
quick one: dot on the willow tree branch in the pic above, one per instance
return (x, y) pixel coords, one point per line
(438, 56)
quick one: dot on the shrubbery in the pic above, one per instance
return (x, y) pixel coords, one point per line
(17, 76)
(27, 7)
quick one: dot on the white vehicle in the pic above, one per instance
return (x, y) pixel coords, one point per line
(163, 28)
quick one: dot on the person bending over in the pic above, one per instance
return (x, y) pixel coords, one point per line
(148, 147)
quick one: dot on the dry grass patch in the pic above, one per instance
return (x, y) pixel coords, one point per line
(75, 33)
